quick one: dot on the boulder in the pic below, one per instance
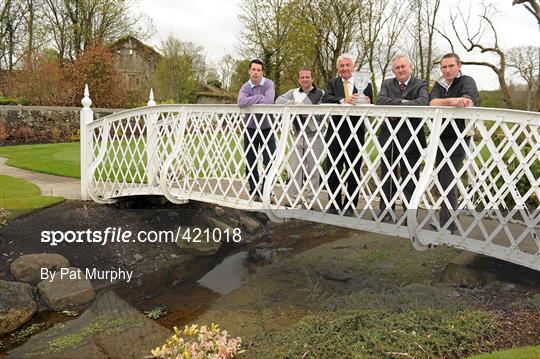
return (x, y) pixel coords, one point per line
(196, 246)
(218, 211)
(464, 276)
(69, 291)
(27, 268)
(250, 224)
(17, 306)
(214, 223)
(109, 328)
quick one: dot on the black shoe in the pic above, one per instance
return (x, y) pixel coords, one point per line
(449, 230)
(332, 210)
(349, 212)
(387, 217)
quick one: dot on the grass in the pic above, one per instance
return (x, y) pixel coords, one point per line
(60, 159)
(381, 334)
(63, 159)
(514, 353)
(19, 196)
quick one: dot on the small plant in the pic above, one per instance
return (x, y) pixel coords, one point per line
(4, 216)
(25, 333)
(206, 343)
(156, 312)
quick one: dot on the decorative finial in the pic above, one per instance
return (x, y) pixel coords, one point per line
(151, 101)
(86, 101)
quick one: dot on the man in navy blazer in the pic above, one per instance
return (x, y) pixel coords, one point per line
(337, 93)
(402, 90)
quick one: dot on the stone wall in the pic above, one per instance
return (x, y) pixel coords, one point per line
(42, 124)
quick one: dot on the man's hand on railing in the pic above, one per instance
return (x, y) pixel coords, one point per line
(461, 102)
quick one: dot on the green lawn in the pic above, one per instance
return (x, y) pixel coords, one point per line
(516, 353)
(19, 196)
(60, 159)
(63, 159)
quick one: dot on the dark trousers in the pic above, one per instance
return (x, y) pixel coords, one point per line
(389, 186)
(446, 176)
(337, 174)
(253, 140)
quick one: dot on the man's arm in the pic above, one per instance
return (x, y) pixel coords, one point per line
(330, 95)
(469, 89)
(437, 99)
(422, 98)
(245, 100)
(384, 96)
(286, 99)
(269, 95)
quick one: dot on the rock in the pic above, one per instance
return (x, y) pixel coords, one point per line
(214, 223)
(67, 291)
(171, 214)
(138, 257)
(337, 277)
(507, 287)
(262, 217)
(109, 328)
(249, 224)
(218, 211)
(17, 306)
(464, 276)
(262, 252)
(27, 268)
(196, 246)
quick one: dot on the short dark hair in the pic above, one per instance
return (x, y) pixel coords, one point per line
(258, 62)
(452, 55)
(305, 68)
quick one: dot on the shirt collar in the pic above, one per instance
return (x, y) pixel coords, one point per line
(406, 82)
(313, 89)
(446, 85)
(261, 83)
(350, 80)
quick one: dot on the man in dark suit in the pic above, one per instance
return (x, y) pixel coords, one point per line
(402, 90)
(341, 90)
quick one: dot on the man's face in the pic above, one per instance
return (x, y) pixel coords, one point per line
(402, 69)
(450, 68)
(255, 73)
(345, 68)
(305, 79)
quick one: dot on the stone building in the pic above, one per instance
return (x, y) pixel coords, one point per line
(208, 94)
(135, 61)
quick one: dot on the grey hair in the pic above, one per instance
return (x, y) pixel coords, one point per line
(401, 56)
(345, 56)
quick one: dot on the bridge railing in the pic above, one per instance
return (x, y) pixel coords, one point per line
(388, 169)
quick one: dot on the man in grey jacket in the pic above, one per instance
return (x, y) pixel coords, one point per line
(402, 90)
(306, 137)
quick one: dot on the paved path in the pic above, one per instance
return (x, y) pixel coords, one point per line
(50, 185)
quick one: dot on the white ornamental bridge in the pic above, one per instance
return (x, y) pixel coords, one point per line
(196, 152)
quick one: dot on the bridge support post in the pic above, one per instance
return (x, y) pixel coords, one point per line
(86, 140)
(151, 144)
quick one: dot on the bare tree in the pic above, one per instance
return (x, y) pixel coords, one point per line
(336, 26)
(422, 31)
(482, 40)
(266, 34)
(524, 61)
(77, 24)
(380, 29)
(533, 6)
(11, 32)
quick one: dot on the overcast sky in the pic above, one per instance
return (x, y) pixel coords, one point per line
(214, 24)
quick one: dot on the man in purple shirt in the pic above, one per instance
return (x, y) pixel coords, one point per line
(259, 136)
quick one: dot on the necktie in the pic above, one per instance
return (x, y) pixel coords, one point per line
(346, 89)
(402, 86)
